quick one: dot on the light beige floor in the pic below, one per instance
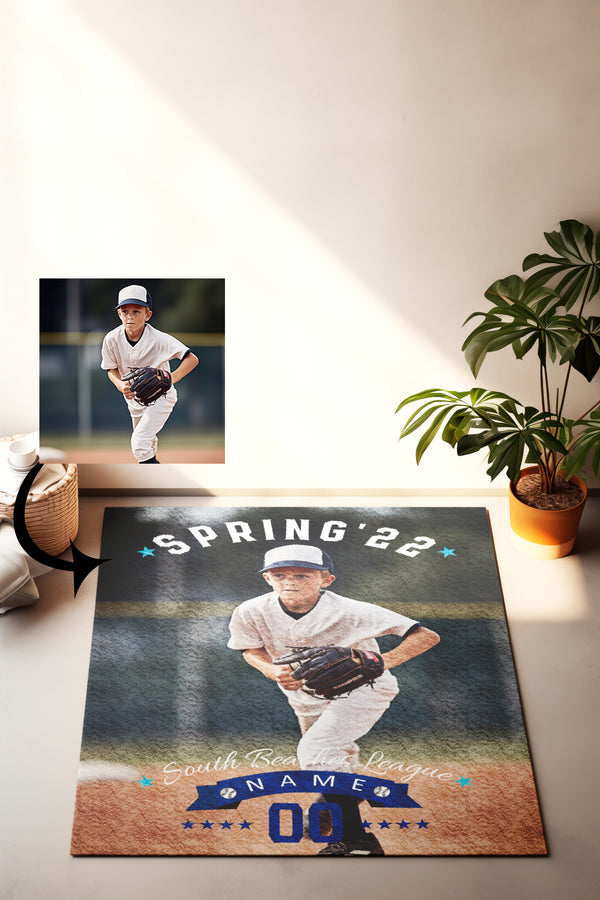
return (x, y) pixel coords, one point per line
(553, 610)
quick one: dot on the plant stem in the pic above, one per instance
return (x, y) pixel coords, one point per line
(587, 295)
(547, 382)
(547, 457)
(564, 394)
(584, 300)
(588, 411)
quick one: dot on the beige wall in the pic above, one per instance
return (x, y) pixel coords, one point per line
(358, 170)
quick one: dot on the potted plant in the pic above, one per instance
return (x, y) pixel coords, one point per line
(545, 312)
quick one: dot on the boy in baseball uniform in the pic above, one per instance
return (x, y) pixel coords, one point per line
(301, 611)
(133, 344)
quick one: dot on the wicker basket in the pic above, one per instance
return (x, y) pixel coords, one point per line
(52, 517)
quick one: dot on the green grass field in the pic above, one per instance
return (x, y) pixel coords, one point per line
(110, 440)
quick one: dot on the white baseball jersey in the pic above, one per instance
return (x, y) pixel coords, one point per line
(154, 348)
(337, 620)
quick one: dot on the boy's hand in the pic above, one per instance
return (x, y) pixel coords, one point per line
(123, 386)
(283, 676)
(260, 659)
(125, 389)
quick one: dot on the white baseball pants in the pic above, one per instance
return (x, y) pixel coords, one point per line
(331, 734)
(147, 422)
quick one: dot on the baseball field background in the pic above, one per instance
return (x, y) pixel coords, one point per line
(82, 415)
(170, 708)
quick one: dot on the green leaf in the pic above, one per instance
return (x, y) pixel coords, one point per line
(431, 393)
(585, 443)
(528, 344)
(418, 418)
(577, 238)
(459, 409)
(572, 286)
(577, 262)
(587, 357)
(472, 443)
(478, 345)
(506, 290)
(540, 259)
(507, 454)
(541, 277)
(429, 435)
(544, 439)
(456, 427)
(486, 420)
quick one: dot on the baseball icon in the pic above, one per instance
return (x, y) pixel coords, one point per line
(381, 791)
(228, 793)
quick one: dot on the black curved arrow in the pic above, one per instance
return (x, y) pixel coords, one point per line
(81, 565)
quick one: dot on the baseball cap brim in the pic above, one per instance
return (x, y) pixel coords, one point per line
(295, 564)
(146, 305)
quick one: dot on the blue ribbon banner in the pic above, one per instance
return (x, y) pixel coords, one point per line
(230, 792)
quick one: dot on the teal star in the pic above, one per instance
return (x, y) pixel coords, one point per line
(145, 781)
(447, 552)
(188, 825)
(463, 781)
(147, 552)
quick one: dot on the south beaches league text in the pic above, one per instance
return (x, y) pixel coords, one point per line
(377, 764)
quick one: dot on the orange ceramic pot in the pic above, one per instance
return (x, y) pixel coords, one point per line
(544, 533)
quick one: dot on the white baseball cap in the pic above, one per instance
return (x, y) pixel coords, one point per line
(300, 556)
(135, 294)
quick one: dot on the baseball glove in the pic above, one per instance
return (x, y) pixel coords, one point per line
(331, 672)
(148, 384)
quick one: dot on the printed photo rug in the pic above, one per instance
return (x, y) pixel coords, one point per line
(194, 745)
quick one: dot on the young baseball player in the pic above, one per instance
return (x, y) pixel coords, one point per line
(135, 344)
(301, 611)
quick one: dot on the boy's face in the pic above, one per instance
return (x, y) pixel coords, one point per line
(134, 318)
(297, 586)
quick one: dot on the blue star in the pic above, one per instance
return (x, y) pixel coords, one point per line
(147, 552)
(145, 781)
(226, 825)
(188, 825)
(207, 824)
(384, 824)
(463, 781)
(403, 824)
(447, 552)
(245, 824)
(366, 824)
(423, 824)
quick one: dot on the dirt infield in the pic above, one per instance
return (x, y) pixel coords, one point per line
(490, 810)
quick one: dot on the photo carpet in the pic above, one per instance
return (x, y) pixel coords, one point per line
(192, 748)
